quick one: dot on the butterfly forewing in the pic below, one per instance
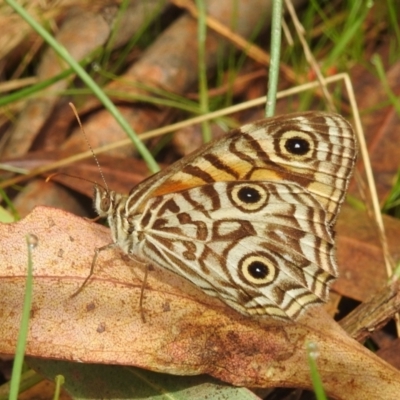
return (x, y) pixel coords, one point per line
(247, 218)
(314, 149)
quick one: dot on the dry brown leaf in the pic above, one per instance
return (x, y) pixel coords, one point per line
(81, 32)
(360, 257)
(120, 173)
(170, 64)
(391, 353)
(380, 120)
(49, 194)
(86, 25)
(186, 331)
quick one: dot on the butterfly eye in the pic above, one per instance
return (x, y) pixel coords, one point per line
(297, 146)
(248, 197)
(105, 203)
(258, 269)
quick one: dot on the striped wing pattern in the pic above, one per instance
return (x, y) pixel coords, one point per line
(210, 236)
(248, 218)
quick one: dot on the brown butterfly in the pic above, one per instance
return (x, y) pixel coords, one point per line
(247, 218)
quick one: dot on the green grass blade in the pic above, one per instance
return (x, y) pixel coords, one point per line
(376, 60)
(203, 89)
(276, 29)
(312, 354)
(31, 242)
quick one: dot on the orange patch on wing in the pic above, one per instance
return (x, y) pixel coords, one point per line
(265, 175)
(172, 186)
(182, 181)
(242, 169)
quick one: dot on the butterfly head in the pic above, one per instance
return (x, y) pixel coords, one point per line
(106, 202)
(111, 205)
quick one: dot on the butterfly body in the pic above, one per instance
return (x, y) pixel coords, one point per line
(247, 218)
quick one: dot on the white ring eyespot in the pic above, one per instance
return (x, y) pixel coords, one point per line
(258, 269)
(296, 145)
(248, 196)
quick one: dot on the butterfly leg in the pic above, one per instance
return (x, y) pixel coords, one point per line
(96, 254)
(144, 281)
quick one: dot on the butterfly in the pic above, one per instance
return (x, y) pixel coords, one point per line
(247, 218)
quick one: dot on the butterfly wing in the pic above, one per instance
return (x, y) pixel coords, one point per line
(262, 247)
(249, 217)
(316, 150)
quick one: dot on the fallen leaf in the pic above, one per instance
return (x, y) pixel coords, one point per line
(88, 381)
(380, 120)
(360, 257)
(96, 31)
(186, 332)
(391, 353)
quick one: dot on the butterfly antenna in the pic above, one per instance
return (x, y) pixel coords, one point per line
(88, 144)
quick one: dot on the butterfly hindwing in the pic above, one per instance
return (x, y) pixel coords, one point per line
(261, 247)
